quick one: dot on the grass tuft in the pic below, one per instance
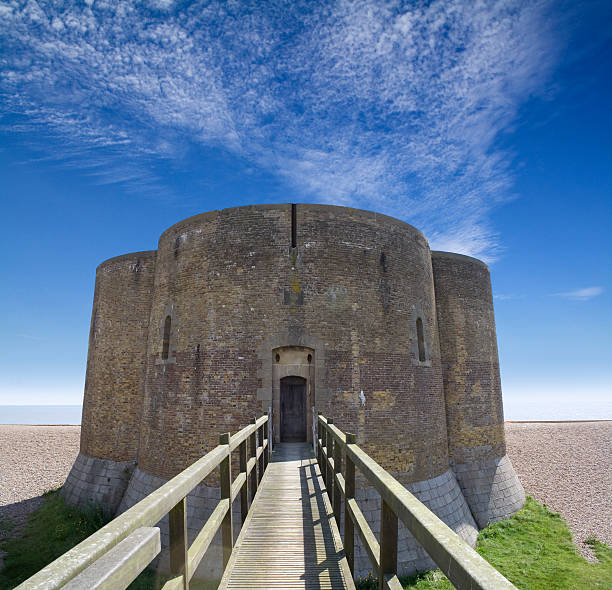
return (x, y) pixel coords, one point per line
(52, 530)
(534, 550)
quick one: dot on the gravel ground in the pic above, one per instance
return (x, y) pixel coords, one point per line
(568, 467)
(33, 460)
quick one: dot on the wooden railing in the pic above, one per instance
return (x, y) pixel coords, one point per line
(465, 568)
(113, 556)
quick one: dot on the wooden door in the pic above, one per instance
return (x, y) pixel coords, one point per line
(293, 409)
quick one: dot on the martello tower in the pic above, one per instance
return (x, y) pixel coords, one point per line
(290, 307)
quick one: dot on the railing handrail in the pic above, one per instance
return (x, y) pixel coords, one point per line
(151, 509)
(463, 566)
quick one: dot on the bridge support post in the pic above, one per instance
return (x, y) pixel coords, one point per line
(262, 458)
(227, 527)
(322, 462)
(349, 488)
(388, 545)
(244, 491)
(329, 477)
(270, 435)
(179, 544)
(253, 455)
(337, 495)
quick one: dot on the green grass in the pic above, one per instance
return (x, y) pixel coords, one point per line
(52, 530)
(535, 551)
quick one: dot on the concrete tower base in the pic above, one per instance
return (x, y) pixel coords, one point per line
(99, 482)
(492, 489)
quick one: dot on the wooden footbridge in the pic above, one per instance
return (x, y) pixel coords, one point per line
(291, 501)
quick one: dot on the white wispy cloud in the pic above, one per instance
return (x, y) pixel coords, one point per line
(583, 294)
(367, 103)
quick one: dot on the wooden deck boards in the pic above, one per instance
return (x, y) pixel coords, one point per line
(290, 538)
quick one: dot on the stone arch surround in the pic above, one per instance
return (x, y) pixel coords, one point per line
(293, 362)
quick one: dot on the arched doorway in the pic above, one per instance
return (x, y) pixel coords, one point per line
(293, 411)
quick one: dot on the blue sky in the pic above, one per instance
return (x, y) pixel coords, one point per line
(485, 124)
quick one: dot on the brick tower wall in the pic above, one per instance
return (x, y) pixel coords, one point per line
(350, 290)
(470, 366)
(114, 382)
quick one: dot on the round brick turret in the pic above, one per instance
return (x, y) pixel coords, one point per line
(114, 384)
(239, 308)
(470, 367)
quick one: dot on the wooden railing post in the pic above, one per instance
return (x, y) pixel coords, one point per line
(244, 491)
(179, 544)
(260, 433)
(266, 451)
(349, 489)
(337, 496)
(321, 435)
(315, 448)
(388, 544)
(225, 474)
(253, 454)
(270, 426)
(329, 481)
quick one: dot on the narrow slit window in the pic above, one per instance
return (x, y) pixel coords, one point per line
(166, 342)
(420, 339)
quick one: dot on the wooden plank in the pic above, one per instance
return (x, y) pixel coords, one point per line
(388, 545)
(368, 538)
(225, 477)
(348, 491)
(290, 538)
(243, 434)
(179, 543)
(465, 568)
(237, 485)
(118, 568)
(206, 535)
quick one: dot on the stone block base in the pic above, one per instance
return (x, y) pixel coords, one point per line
(101, 482)
(492, 489)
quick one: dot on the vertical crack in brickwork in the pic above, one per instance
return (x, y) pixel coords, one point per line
(293, 225)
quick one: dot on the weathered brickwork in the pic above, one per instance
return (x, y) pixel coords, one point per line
(472, 386)
(112, 406)
(395, 345)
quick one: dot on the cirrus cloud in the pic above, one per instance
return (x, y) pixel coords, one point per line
(372, 104)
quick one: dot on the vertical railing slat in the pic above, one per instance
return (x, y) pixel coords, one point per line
(337, 496)
(329, 478)
(225, 474)
(322, 463)
(253, 453)
(260, 437)
(349, 488)
(179, 544)
(244, 491)
(388, 544)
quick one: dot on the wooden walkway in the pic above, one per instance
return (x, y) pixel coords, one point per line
(290, 538)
